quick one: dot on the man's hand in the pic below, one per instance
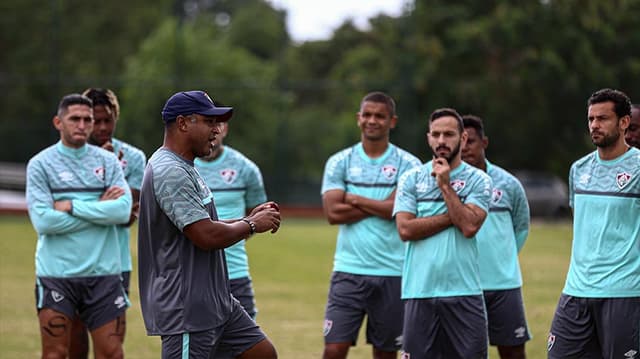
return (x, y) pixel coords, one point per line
(109, 147)
(113, 192)
(441, 171)
(64, 206)
(266, 217)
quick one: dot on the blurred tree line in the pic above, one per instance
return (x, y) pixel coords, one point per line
(527, 68)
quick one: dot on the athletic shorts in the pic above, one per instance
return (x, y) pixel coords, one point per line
(236, 336)
(445, 328)
(351, 297)
(506, 317)
(126, 281)
(595, 328)
(242, 290)
(97, 300)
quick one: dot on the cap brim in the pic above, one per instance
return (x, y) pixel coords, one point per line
(222, 113)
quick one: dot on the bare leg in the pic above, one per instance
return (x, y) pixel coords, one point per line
(336, 350)
(379, 354)
(55, 333)
(263, 350)
(79, 344)
(512, 352)
(107, 340)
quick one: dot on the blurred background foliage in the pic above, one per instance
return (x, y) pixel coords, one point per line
(527, 68)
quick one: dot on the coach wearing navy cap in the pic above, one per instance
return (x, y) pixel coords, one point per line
(184, 289)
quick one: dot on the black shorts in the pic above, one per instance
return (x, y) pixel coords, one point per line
(242, 290)
(236, 336)
(126, 281)
(595, 328)
(506, 316)
(351, 297)
(97, 300)
(445, 327)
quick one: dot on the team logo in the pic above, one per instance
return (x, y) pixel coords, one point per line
(65, 176)
(99, 172)
(550, 341)
(631, 354)
(519, 332)
(123, 164)
(389, 171)
(457, 185)
(328, 324)
(120, 302)
(207, 96)
(622, 179)
(405, 355)
(228, 175)
(57, 297)
(496, 196)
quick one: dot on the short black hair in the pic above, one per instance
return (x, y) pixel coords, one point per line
(73, 99)
(444, 112)
(475, 122)
(104, 97)
(620, 100)
(380, 97)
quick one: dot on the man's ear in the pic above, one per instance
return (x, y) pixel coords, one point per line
(485, 142)
(181, 122)
(57, 123)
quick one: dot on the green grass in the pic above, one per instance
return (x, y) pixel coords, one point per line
(290, 271)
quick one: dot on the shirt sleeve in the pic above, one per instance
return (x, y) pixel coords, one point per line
(137, 163)
(178, 197)
(255, 193)
(405, 200)
(107, 212)
(334, 173)
(520, 215)
(44, 218)
(480, 194)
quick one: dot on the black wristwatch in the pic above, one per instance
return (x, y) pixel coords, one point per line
(252, 226)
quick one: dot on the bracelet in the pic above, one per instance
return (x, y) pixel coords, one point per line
(252, 226)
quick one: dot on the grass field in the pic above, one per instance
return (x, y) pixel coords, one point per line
(291, 274)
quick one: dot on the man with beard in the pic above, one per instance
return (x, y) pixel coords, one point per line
(439, 208)
(598, 314)
(358, 189)
(184, 285)
(500, 239)
(632, 134)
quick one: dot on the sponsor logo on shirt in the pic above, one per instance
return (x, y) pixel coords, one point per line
(328, 324)
(99, 172)
(457, 185)
(389, 171)
(622, 179)
(66, 176)
(355, 171)
(120, 302)
(57, 297)
(496, 196)
(550, 341)
(228, 175)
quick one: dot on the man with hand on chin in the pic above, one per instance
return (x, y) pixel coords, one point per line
(439, 207)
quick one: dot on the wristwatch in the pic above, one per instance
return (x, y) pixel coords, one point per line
(252, 226)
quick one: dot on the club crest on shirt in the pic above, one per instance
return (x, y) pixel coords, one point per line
(228, 175)
(328, 324)
(389, 171)
(99, 172)
(457, 185)
(622, 179)
(496, 195)
(123, 164)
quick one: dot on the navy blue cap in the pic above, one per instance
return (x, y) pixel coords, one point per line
(198, 102)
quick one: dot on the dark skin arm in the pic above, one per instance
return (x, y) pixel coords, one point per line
(339, 212)
(135, 206)
(411, 228)
(382, 209)
(207, 234)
